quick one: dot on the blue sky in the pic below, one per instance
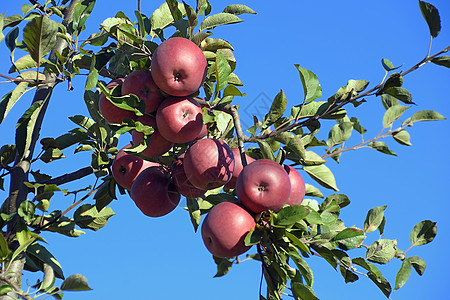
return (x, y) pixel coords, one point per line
(136, 257)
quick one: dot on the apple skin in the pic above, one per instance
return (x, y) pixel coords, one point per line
(140, 83)
(126, 167)
(297, 186)
(263, 185)
(237, 168)
(158, 145)
(109, 111)
(184, 186)
(178, 67)
(154, 193)
(209, 163)
(225, 228)
(179, 119)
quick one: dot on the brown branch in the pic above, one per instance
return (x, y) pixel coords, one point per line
(69, 177)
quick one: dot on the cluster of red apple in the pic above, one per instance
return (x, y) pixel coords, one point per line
(178, 69)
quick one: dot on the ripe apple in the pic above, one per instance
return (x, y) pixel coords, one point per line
(179, 119)
(109, 111)
(237, 168)
(297, 186)
(178, 67)
(263, 185)
(126, 167)
(154, 193)
(225, 228)
(157, 145)
(209, 163)
(184, 186)
(140, 83)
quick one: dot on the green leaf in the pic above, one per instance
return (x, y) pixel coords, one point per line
(223, 71)
(10, 99)
(290, 215)
(423, 233)
(424, 115)
(39, 35)
(389, 101)
(381, 251)
(219, 19)
(26, 210)
(368, 266)
(392, 114)
(75, 282)
(25, 128)
(2, 36)
(402, 137)
(395, 80)
(51, 155)
(238, 9)
(323, 175)
(403, 274)
(348, 275)
(194, 212)
(374, 218)
(418, 264)
(276, 110)
(382, 147)
(4, 249)
(312, 191)
(40, 256)
(26, 62)
(5, 289)
(174, 10)
(431, 16)
(88, 217)
(400, 93)
(298, 243)
(311, 86)
(388, 65)
(382, 284)
(349, 238)
(443, 60)
(84, 122)
(302, 291)
(253, 237)
(11, 40)
(293, 143)
(223, 266)
(7, 154)
(339, 133)
(105, 194)
(303, 267)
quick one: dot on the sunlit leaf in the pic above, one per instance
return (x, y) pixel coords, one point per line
(219, 19)
(423, 233)
(311, 86)
(40, 36)
(75, 282)
(323, 175)
(431, 16)
(403, 274)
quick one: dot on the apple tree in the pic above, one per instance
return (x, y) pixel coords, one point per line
(166, 83)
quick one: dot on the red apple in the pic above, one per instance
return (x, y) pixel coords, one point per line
(141, 84)
(154, 193)
(157, 145)
(209, 163)
(237, 168)
(126, 167)
(297, 186)
(225, 228)
(179, 119)
(178, 67)
(184, 186)
(109, 111)
(263, 185)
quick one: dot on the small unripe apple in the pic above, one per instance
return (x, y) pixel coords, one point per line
(263, 185)
(158, 145)
(209, 163)
(225, 228)
(126, 167)
(179, 119)
(141, 84)
(154, 193)
(178, 67)
(184, 186)
(297, 186)
(109, 111)
(238, 166)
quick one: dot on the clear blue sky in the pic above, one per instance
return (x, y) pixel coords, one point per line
(136, 257)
